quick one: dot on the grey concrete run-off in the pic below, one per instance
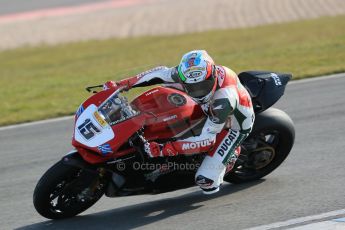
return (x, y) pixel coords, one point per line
(162, 17)
(20, 6)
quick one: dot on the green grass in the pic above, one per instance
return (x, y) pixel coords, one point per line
(45, 82)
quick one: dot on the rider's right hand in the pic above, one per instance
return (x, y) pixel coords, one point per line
(109, 85)
(124, 84)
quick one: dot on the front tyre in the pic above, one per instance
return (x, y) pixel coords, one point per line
(65, 191)
(265, 148)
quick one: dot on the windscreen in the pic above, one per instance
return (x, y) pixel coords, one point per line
(111, 109)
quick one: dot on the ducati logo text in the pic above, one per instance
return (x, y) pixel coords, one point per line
(227, 143)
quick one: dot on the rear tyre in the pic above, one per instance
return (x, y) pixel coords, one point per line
(265, 148)
(65, 191)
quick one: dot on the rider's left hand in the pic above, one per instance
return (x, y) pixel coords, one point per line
(153, 149)
(169, 150)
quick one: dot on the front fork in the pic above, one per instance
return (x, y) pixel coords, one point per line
(93, 173)
(114, 181)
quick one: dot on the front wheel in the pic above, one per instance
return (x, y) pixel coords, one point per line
(265, 148)
(65, 191)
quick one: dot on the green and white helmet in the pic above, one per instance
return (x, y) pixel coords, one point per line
(197, 74)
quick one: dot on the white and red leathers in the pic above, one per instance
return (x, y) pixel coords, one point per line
(230, 120)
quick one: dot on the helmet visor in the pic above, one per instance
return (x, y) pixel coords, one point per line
(200, 89)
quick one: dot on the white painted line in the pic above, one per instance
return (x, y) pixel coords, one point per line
(324, 225)
(327, 77)
(321, 78)
(299, 220)
(36, 123)
(339, 220)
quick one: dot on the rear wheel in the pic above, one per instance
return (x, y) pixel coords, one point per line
(265, 148)
(65, 191)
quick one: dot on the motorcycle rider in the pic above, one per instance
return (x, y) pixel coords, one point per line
(223, 99)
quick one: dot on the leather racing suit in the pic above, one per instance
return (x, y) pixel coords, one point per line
(230, 120)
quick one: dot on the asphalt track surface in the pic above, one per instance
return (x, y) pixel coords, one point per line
(309, 182)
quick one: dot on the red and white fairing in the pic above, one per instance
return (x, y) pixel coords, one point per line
(91, 130)
(162, 112)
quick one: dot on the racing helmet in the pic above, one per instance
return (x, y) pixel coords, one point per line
(197, 75)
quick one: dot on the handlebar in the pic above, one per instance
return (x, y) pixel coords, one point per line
(89, 88)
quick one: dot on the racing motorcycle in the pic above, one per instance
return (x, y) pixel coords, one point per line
(109, 131)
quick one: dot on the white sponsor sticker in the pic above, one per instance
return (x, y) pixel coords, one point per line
(196, 145)
(170, 118)
(88, 130)
(151, 92)
(276, 79)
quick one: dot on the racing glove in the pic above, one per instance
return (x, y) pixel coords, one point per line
(113, 84)
(109, 85)
(153, 149)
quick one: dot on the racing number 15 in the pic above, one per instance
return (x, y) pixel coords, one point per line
(88, 129)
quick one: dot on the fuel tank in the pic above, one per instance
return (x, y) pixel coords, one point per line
(173, 113)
